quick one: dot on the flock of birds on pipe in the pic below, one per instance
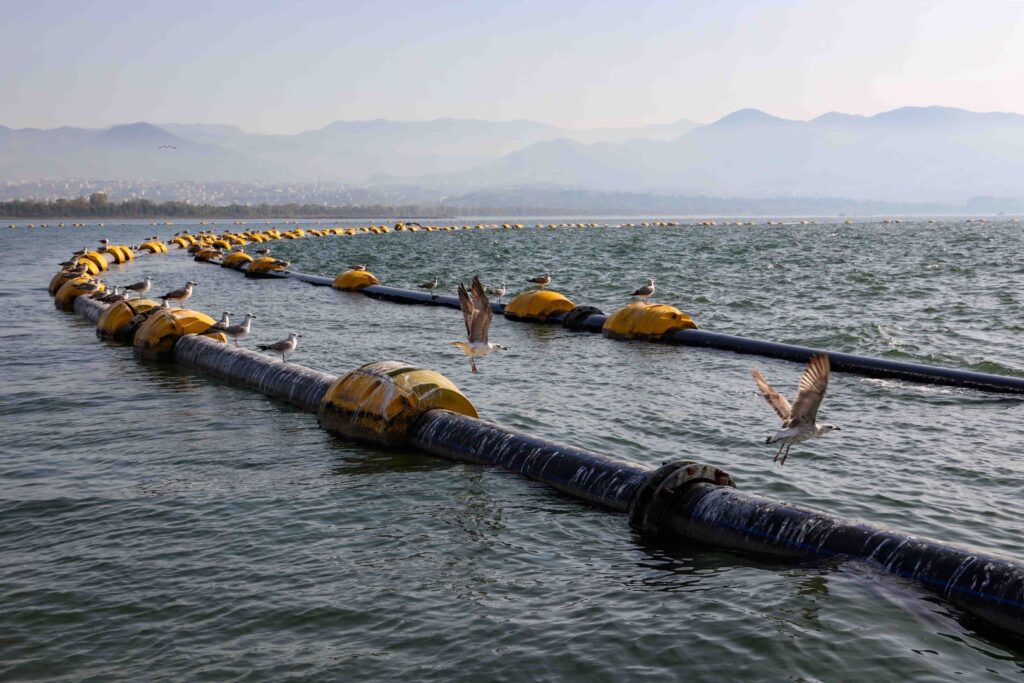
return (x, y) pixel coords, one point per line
(799, 418)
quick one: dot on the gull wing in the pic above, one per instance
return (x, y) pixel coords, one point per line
(481, 323)
(813, 384)
(466, 304)
(776, 400)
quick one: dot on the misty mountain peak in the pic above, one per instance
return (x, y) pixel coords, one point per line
(749, 117)
(138, 134)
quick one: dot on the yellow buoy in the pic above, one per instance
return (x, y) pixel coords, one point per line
(71, 290)
(236, 260)
(645, 321)
(155, 338)
(120, 320)
(96, 258)
(352, 280)
(538, 305)
(378, 402)
(264, 265)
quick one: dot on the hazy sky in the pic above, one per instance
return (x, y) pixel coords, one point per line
(281, 67)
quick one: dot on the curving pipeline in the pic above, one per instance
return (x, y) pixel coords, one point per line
(986, 585)
(592, 320)
(866, 366)
(295, 384)
(682, 502)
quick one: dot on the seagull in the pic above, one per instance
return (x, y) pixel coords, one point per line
(222, 324)
(167, 147)
(541, 281)
(114, 297)
(264, 251)
(105, 242)
(498, 291)
(645, 291)
(358, 266)
(283, 347)
(476, 310)
(180, 295)
(140, 288)
(798, 420)
(241, 331)
(430, 287)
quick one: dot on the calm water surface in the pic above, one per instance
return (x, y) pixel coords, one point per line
(158, 525)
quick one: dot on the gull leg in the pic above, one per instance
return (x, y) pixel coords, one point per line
(783, 461)
(472, 364)
(777, 455)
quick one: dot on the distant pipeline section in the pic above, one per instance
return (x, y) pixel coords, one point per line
(398, 405)
(668, 325)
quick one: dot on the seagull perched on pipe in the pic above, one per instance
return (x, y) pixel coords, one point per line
(242, 330)
(799, 419)
(283, 347)
(180, 295)
(430, 286)
(222, 324)
(140, 288)
(646, 291)
(541, 281)
(498, 291)
(476, 311)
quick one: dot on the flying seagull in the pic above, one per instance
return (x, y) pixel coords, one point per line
(283, 347)
(798, 420)
(541, 281)
(646, 291)
(476, 310)
(167, 147)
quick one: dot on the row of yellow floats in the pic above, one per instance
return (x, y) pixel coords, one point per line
(377, 402)
(634, 321)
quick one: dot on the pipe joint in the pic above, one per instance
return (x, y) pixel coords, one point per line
(665, 490)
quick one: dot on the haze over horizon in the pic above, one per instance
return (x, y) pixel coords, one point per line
(281, 69)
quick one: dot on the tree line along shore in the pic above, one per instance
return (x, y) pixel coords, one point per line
(97, 206)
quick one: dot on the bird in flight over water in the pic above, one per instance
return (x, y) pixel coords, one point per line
(799, 420)
(476, 310)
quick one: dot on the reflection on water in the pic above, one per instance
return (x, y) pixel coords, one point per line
(157, 523)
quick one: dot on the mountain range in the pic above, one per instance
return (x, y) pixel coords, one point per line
(911, 154)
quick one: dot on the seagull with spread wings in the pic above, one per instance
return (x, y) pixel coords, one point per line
(476, 310)
(799, 420)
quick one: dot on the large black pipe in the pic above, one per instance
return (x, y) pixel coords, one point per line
(596, 478)
(866, 366)
(675, 501)
(987, 585)
(301, 386)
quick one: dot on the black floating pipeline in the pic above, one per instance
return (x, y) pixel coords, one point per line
(986, 585)
(300, 386)
(595, 478)
(394, 404)
(591, 320)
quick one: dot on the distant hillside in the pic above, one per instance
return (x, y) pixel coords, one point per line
(344, 151)
(912, 154)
